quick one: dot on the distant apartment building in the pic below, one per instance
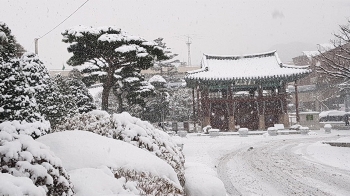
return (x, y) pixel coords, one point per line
(317, 92)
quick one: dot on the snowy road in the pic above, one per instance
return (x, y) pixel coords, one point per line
(280, 167)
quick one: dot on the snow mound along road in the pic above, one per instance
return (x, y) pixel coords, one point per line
(202, 180)
(81, 150)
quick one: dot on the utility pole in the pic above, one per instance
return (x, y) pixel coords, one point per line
(36, 45)
(189, 50)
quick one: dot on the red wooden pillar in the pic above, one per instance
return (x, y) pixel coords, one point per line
(261, 114)
(230, 110)
(194, 108)
(296, 102)
(205, 108)
(198, 107)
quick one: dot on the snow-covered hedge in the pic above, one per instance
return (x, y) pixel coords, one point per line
(147, 183)
(104, 166)
(132, 130)
(21, 156)
(12, 185)
(34, 129)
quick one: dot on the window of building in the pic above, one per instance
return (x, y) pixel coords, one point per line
(309, 117)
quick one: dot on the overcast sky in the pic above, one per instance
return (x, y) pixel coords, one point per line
(216, 27)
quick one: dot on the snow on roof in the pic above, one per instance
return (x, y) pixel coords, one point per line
(253, 66)
(310, 54)
(332, 113)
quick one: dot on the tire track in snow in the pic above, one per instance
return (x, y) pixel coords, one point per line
(272, 168)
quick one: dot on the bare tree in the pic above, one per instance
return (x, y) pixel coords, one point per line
(335, 63)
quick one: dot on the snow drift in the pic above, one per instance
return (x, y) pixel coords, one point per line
(86, 155)
(131, 130)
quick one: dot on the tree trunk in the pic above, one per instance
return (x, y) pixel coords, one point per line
(105, 95)
(107, 86)
(120, 103)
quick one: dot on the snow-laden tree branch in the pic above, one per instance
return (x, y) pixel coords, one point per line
(101, 51)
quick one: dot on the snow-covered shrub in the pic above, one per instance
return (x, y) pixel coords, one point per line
(12, 185)
(17, 101)
(147, 184)
(101, 165)
(21, 156)
(34, 129)
(51, 103)
(132, 130)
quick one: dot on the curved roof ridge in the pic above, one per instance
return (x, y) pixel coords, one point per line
(235, 57)
(295, 66)
(203, 68)
(278, 59)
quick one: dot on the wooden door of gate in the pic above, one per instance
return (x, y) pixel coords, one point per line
(219, 116)
(246, 115)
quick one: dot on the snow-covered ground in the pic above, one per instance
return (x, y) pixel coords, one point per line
(273, 165)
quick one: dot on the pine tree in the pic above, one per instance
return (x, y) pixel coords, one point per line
(131, 89)
(68, 98)
(50, 101)
(76, 97)
(157, 107)
(8, 43)
(102, 52)
(170, 64)
(81, 95)
(180, 102)
(17, 100)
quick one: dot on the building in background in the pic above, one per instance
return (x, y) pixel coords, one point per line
(318, 92)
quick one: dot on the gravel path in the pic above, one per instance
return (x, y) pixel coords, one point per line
(273, 168)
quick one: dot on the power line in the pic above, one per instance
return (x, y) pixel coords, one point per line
(64, 20)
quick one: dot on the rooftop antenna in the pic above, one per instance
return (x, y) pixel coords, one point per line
(189, 50)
